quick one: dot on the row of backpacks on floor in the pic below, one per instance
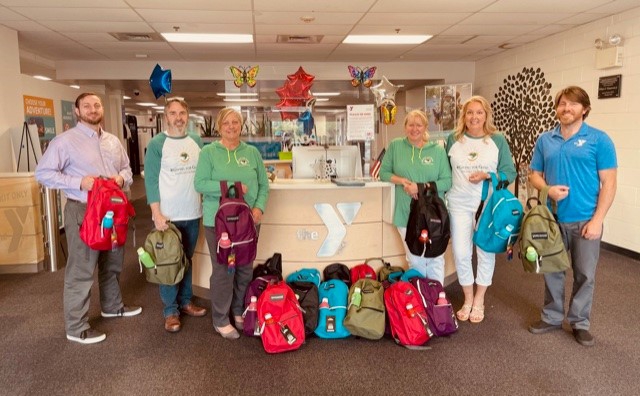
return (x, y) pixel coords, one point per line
(344, 302)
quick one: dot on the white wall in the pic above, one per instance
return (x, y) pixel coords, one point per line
(11, 110)
(49, 90)
(568, 58)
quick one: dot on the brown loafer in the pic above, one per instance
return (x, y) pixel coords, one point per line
(172, 323)
(193, 310)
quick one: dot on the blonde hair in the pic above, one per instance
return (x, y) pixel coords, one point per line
(423, 117)
(488, 127)
(224, 113)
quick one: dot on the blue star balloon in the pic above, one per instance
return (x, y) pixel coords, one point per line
(160, 81)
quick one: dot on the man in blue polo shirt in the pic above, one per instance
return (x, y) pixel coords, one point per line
(578, 162)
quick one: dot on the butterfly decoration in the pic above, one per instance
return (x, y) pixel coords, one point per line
(362, 75)
(242, 75)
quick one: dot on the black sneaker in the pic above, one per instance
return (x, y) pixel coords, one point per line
(541, 327)
(583, 337)
(124, 311)
(89, 336)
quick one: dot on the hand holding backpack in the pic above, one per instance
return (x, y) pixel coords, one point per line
(428, 230)
(166, 251)
(498, 224)
(542, 248)
(106, 196)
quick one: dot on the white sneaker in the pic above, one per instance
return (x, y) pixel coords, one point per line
(124, 311)
(89, 336)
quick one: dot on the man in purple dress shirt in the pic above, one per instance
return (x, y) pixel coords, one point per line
(71, 163)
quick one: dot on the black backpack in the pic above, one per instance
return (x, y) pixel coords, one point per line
(337, 271)
(428, 213)
(273, 266)
(307, 295)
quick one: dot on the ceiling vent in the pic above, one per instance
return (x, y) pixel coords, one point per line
(299, 39)
(138, 37)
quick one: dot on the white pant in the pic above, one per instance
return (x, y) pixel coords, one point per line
(430, 267)
(462, 227)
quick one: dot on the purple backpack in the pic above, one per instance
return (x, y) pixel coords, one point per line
(250, 315)
(234, 218)
(442, 320)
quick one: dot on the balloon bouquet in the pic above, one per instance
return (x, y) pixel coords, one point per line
(295, 94)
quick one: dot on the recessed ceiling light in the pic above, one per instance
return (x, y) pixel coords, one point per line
(125, 97)
(43, 78)
(322, 99)
(146, 104)
(207, 38)
(141, 55)
(158, 107)
(386, 39)
(237, 94)
(74, 86)
(326, 94)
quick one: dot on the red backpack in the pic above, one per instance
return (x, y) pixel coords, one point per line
(407, 317)
(363, 271)
(106, 196)
(280, 319)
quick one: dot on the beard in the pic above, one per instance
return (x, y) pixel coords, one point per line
(178, 127)
(96, 120)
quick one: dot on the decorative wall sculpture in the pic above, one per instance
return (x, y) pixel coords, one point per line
(523, 109)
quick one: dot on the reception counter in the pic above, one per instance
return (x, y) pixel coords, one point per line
(317, 223)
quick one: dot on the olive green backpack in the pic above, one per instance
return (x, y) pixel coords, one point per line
(542, 249)
(165, 248)
(365, 314)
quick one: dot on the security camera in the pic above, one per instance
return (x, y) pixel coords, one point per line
(136, 92)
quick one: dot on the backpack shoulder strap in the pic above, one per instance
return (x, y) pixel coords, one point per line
(485, 192)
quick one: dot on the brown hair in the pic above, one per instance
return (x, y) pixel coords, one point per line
(488, 127)
(575, 94)
(84, 95)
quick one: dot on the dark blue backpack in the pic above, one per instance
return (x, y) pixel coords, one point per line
(331, 318)
(498, 226)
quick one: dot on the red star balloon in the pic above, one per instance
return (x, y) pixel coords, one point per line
(294, 93)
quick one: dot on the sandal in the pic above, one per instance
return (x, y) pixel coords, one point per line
(477, 314)
(464, 312)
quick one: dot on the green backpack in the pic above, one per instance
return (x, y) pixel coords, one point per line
(542, 249)
(365, 313)
(165, 248)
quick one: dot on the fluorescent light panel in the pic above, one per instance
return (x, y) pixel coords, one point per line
(207, 38)
(386, 39)
(74, 86)
(146, 104)
(43, 78)
(240, 100)
(237, 94)
(326, 94)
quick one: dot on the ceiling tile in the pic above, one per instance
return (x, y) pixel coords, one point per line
(195, 16)
(321, 18)
(302, 30)
(317, 6)
(430, 6)
(514, 18)
(8, 15)
(216, 5)
(97, 27)
(241, 28)
(544, 5)
(493, 30)
(79, 14)
(25, 26)
(61, 4)
(411, 18)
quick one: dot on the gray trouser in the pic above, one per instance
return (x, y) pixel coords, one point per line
(226, 290)
(584, 260)
(78, 276)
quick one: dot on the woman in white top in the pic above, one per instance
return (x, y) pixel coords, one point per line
(475, 149)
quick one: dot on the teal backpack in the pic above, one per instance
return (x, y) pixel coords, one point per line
(498, 224)
(305, 275)
(331, 317)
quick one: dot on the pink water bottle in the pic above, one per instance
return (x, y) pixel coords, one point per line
(442, 299)
(324, 303)
(424, 236)
(253, 305)
(225, 242)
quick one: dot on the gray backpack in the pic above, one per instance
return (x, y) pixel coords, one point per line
(165, 248)
(542, 249)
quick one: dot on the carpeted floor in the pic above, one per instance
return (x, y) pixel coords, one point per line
(496, 357)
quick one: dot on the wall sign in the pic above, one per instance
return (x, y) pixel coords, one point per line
(609, 86)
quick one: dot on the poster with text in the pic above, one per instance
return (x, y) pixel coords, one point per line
(68, 115)
(38, 114)
(360, 122)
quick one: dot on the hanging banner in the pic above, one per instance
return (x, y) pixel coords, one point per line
(360, 122)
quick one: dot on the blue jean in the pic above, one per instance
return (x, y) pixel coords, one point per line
(429, 267)
(175, 296)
